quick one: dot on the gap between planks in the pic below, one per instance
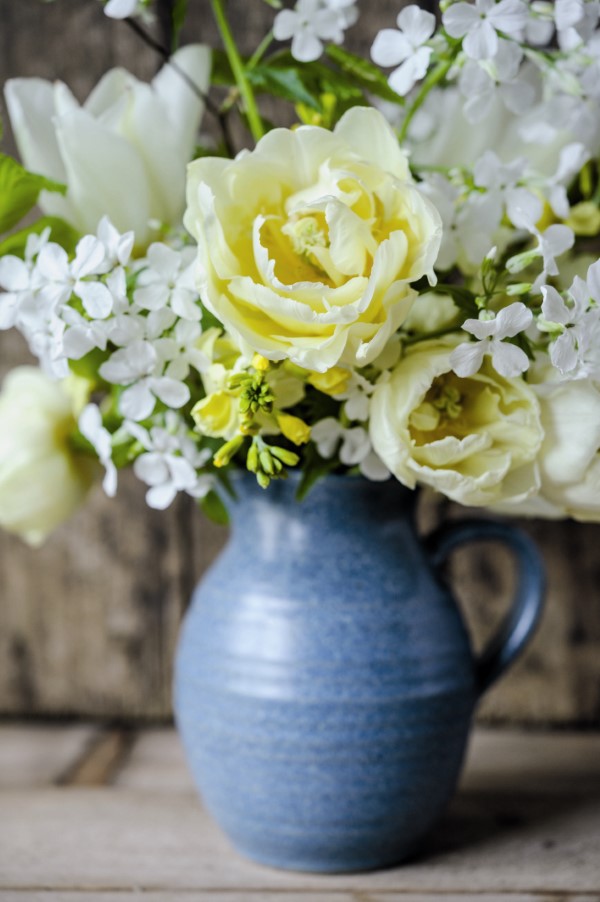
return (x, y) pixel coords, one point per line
(101, 760)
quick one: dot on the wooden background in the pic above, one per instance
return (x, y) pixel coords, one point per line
(88, 624)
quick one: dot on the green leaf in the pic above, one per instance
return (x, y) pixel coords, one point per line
(178, 17)
(363, 73)
(283, 82)
(274, 4)
(212, 506)
(19, 191)
(60, 232)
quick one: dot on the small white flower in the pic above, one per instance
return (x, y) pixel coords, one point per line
(92, 428)
(355, 448)
(311, 23)
(405, 48)
(502, 182)
(479, 23)
(507, 359)
(139, 368)
(168, 280)
(163, 467)
(576, 351)
(480, 82)
(117, 247)
(468, 223)
(59, 279)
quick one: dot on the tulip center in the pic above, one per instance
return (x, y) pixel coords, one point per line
(440, 411)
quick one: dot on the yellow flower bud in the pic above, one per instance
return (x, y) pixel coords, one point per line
(260, 363)
(217, 415)
(584, 219)
(294, 429)
(332, 382)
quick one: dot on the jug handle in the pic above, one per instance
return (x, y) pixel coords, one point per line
(520, 622)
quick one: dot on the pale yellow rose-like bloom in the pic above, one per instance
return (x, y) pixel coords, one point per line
(308, 245)
(569, 459)
(42, 480)
(474, 439)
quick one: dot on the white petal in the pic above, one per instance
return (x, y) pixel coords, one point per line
(459, 19)
(171, 392)
(390, 48)
(152, 468)
(137, 402)
(467, 358)
(14, 274)
(563, 353)
(513, 319)
(482, 41)
(89, 257)
(285, 24)
(417, 24)
(120, 9)
(374, 468)
(413, 70)
(161, 496)
(306, 46)
(554, 308)
(508, 360)
(593, 281)
(96, 298)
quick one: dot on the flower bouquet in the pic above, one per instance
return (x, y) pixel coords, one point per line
(400, 289)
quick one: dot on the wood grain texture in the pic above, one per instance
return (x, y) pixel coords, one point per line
(88, 624)
(525, 825)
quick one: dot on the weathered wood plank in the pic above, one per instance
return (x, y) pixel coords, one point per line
(268, 896)
(120, 839)
(39, 755)
(504, 833)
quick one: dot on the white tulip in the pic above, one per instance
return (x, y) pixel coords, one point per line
(569, 458)
(123, 153)
(42, 480)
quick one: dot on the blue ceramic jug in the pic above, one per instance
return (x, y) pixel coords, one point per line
(325, 681)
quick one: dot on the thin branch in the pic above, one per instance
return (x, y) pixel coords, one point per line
(212, 108)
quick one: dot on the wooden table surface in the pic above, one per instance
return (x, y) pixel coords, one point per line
(96, 814)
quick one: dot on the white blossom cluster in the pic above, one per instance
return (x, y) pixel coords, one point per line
(498, 51)
(149, 334)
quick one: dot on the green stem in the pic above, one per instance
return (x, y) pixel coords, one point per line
(235, 61)
(260, 51)
(435, 76)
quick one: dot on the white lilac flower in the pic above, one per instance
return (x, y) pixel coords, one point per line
(481, 81)
(575, 351)
(355, 448)
(468, 222)
(501, 181)
(163, 467)
(479, 23)
(168, 280)
(138, 368)
(181, 351)
(313, 22)
(576, 21)
(405, 48)
(60, 278)
(117, 247)
(19, 280)
(92, 428)
(507, 359)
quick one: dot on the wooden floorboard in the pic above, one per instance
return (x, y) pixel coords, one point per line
(525, 826)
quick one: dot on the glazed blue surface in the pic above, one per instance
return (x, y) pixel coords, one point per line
(325, 681)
